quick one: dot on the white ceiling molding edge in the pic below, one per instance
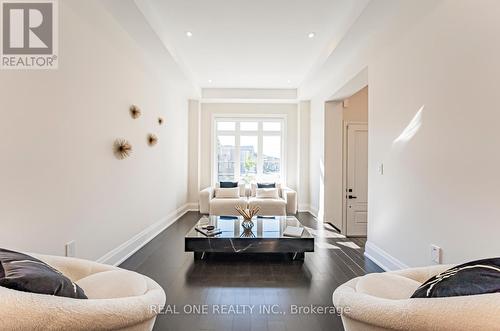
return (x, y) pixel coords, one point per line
(161, 61)
(244, 93)
(155, 23)
(380, 24)
(356, 84)
(254, 101)
(337, 38)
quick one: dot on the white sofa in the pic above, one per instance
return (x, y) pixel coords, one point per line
(376, 302)
(209, 204)
(286, 204)
(118, 300)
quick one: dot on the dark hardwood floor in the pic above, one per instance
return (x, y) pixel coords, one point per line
(262, 282)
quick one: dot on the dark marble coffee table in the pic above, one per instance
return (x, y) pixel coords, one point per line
(266, 236)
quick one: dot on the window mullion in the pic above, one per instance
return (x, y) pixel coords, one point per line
(237, 172)
(260, 160)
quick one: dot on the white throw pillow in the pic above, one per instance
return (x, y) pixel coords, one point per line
(253, 188)
(267, 193)
(233, 192)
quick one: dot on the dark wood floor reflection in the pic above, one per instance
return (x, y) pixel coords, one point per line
(254, 280)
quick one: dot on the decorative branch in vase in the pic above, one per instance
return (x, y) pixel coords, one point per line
(249, 213)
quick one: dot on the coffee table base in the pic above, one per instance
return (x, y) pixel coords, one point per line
(297, 256)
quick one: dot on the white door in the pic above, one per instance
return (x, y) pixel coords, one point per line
(357, 179)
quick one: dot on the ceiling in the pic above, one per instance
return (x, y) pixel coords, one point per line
(250, 43)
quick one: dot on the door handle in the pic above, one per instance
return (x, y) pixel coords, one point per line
(352, 197)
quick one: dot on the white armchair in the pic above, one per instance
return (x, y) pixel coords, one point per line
(118, 300)
(382, 302)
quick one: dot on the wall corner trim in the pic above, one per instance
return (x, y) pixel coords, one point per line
(314, 211)
(382, 258)
(192, 206)
(307, 208)
(119, 254)
(304, 207)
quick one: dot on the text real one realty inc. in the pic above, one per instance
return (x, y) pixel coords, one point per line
(222, 309)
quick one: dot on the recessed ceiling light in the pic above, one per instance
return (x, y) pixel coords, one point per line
(311, 35)
(289, 81)
(210, 81)
(189, 34)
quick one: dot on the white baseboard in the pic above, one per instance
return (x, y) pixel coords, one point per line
(304, 207)
(314, 211)
(192, 206)
(383, 259)
(125, 250)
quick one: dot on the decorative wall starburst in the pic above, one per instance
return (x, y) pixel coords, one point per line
(152, 139)
(135, 112)
(122, 148)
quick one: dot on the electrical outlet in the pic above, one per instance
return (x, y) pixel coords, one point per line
(436, 254)
(70, 248)
(381, 169)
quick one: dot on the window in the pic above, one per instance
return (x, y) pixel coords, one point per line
(249, 149)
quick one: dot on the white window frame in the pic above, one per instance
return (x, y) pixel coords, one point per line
(282, 118)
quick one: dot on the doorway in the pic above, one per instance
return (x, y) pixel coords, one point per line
(346, 137)
(356, 179)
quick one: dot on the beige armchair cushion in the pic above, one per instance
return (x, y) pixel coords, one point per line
(113, 284)
(387, 286)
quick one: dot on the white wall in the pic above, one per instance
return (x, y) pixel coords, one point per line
(59, 178)
(333, 163)
(357, 107)
(303, 130)
(443, 185)
(194, 150)
(345, 71)
(316, 158)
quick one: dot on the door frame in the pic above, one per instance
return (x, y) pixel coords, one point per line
(344, 172)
